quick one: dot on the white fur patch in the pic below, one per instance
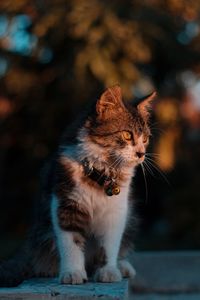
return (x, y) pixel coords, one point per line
(71, 255)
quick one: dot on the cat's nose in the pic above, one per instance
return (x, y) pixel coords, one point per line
(140, 154)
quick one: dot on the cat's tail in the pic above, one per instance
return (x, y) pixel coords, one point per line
(15, 270)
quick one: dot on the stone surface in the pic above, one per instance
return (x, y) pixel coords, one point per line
(46, 289)
(160, 276)
(166, 272)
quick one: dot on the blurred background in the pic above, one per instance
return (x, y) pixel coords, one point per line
(58, 55)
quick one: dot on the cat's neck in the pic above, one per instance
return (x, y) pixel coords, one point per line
(99, 159)
(96, 158)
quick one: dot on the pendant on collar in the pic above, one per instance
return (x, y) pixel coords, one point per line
(110, 186)
(112, 189)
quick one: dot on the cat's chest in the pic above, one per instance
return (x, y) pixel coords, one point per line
(102, 207)
(93, 198)
(106, 208)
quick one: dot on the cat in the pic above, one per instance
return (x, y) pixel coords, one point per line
(84, 218)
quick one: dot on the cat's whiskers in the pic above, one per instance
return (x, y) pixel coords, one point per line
(123, 160)
(150, 154)
(145, 181)
(151, 163)
(116, 163)
(148, 168)
(118, 160)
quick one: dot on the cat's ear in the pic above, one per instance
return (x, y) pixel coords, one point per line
(110, 102)
(144, 105)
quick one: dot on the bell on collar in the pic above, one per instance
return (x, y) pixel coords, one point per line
(112, 189)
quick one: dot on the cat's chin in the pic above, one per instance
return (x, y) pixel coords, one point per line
(135, 163)
(130, 164)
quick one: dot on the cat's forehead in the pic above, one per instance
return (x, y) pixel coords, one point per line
(128, 119)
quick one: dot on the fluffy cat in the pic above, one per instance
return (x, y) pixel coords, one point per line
(85, 212)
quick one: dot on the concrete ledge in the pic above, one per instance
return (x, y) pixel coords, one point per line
(46, 289)
(160, 276)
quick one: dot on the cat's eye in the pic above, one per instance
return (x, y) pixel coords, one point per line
(127, 135)
(145, 139)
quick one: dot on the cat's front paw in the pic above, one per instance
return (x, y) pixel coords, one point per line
(73, 277)
(108, 274)
(126, 269)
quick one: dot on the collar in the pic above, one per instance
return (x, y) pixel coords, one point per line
(107, 182)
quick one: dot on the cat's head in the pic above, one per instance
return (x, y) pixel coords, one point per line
(118, 132)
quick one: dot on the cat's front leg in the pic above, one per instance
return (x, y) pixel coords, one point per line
(70, 248)
(72, 269)
(110, 241)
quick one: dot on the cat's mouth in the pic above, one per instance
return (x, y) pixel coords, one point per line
(136, 159)
(117, 160)
(141, 160)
